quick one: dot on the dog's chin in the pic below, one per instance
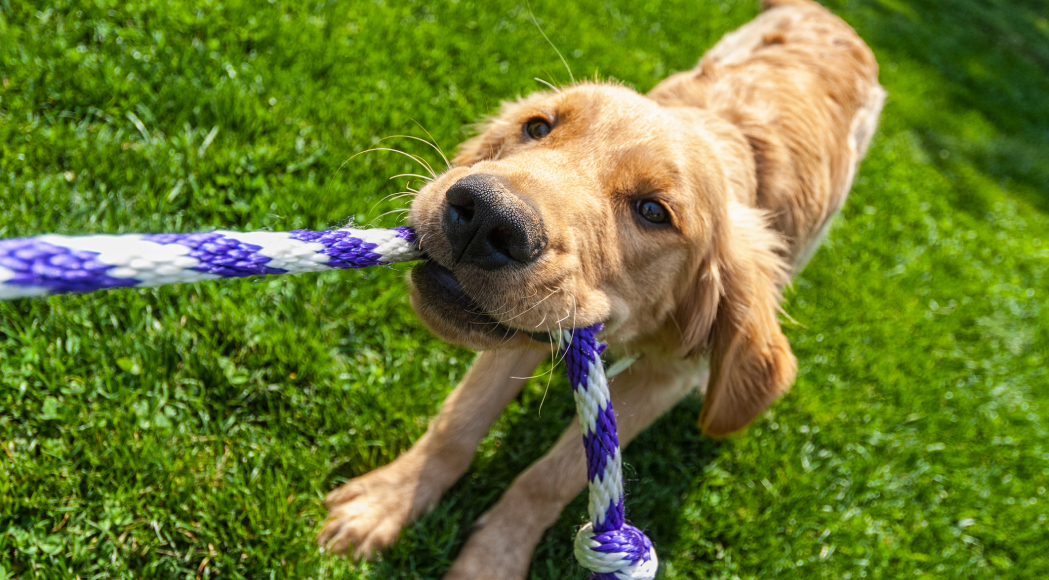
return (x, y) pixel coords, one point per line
(452, 315)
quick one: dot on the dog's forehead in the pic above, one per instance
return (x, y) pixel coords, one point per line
(607, 120)
(593, 107)
(601, 107)
(630, 142)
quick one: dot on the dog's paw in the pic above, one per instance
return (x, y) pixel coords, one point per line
(366, 514)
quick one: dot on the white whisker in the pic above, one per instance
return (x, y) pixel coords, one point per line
(387, 213)
(534, 306)
(423, 177)
(434, 143)
(418, 160)
(536, 22)
(555, 89)
(428, 167)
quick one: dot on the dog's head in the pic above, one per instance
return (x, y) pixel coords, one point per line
(595, 204)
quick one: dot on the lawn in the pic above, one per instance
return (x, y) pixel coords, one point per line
(192, 431)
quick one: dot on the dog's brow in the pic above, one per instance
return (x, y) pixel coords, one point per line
(638, 171)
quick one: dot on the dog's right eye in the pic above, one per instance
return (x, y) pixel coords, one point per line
(653, 211)
(537, 128)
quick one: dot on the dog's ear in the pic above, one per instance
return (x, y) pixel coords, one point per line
(731, 315)
(485, 145)
(491, 134)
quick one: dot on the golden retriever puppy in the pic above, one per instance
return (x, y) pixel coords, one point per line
(675, 218)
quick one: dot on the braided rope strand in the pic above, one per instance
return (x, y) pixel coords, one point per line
(608, 545)
(53, 264)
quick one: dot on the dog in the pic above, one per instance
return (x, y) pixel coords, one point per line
(675, 218)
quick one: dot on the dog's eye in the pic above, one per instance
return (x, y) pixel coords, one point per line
(653, 211)
(537, 128)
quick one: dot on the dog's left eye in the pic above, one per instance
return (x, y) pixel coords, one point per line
(537, 128)
(653, 211)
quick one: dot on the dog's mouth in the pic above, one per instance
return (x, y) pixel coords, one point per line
(443, 292)
(441, 284)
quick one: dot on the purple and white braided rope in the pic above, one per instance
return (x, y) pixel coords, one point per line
(608, 545)
(54, 264)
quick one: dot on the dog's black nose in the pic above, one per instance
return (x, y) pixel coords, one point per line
(490, 227)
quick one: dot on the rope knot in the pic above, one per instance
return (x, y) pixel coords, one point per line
(622, 554)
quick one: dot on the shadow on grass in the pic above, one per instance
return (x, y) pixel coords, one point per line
(982, 70)
(660, 469)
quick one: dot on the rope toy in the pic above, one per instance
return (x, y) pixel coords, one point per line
(55, 264)
(608, 545)
(52, 264)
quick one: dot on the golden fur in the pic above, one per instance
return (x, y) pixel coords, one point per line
(752, 152)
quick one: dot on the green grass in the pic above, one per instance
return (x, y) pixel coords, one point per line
(146, 431)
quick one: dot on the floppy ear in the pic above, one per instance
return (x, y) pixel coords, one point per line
(732, 316)
(485, 145)
(491, 133)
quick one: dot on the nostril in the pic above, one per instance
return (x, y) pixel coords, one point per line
(461, 204)
(499, 240)
(462, 211)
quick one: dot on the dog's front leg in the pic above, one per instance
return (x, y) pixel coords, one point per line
(367, 512)
(502, 544)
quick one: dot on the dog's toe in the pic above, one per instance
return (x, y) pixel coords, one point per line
(357, 530)
(366, 514)
(377, 539)
(342, 494)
